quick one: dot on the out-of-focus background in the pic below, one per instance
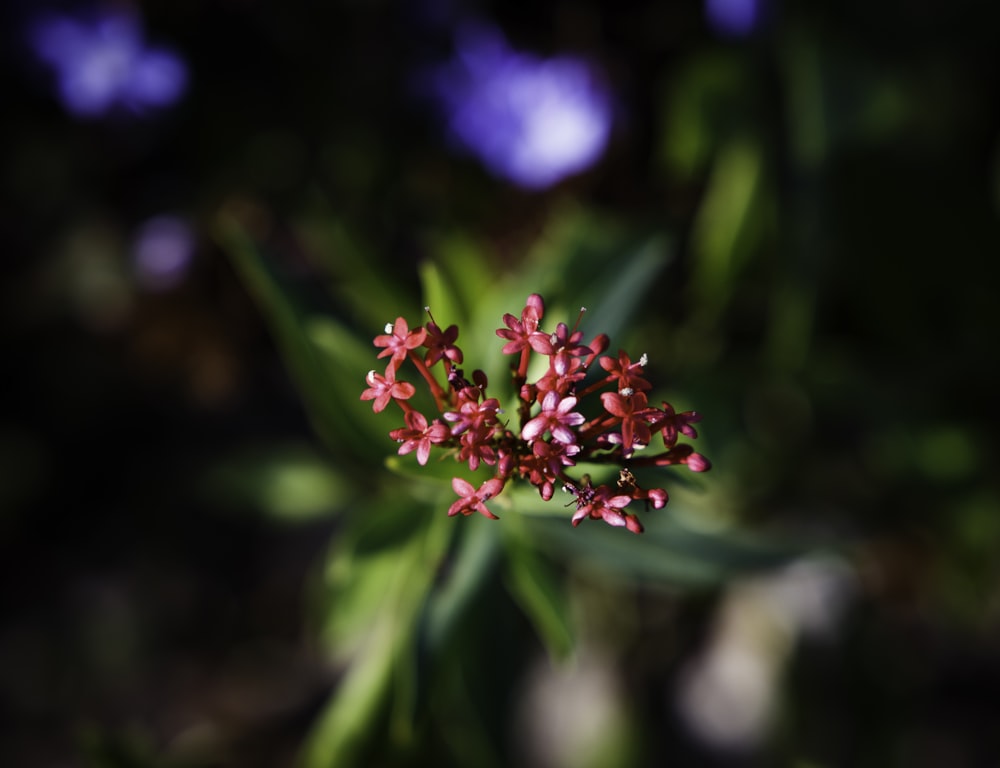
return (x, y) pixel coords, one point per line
(792, 207)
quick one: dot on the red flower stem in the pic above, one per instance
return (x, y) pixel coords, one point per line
(519, 376)
(522, 368)
(595, 426)
(652, 461)
(439, 394)
(599, 384)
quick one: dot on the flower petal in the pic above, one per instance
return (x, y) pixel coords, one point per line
(534, 428)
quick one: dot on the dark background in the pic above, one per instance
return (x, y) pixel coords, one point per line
(847, 353)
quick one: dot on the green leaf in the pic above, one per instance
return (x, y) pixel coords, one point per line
(440, 295)
(378, 581)
(472, 562)
(340, 734)
(454, 279)
(729, 223)
(286, 482)
(533, 583)
(326, 361)
(361, 282)
(668, 553)
(616, 293)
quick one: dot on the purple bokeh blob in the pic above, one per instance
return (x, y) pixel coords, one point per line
(530, 120)
(103, 63)
(733, 18)
(162, 251)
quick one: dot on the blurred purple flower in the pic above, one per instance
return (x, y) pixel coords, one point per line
(162, 250)
(530, 120)
(733, 18)
(104, 62)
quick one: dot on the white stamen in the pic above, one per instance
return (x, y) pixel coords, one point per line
(388, 327)
(370, 378)
(643, 360)
(626, 391)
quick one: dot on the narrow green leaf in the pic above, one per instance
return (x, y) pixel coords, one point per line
(667, 553)
(441, 296)
(361, 282)
(534, 585)
(463, 262)
(465, 573)
(616, 295)
(340, 733)
(325, 360)
(375, 602)
(472, 562)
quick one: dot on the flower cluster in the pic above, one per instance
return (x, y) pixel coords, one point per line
(554, 430)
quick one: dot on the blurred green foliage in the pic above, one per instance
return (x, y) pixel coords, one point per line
(401, 576)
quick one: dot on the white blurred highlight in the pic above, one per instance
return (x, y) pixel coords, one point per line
(569, 713)
(728, 695)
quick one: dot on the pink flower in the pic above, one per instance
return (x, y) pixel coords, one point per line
(546, 463)
(519, 332)
(382, 389)
(472, 414)
(598, 504)
(418, 436)
(671, 424)
(472, 500)
(561, 381)
(557, 417)
(441, 344)
(630, 409)
(560, 346)
(398, 340)
(628, 374)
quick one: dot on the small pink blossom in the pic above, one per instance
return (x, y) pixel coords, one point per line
(382, 389)
(630, 409)
(599, 504)
(398, 340)
(671, 424)
(441, 344)
(519, 332)
(473, 500)
(419, 436)
(627, 375)
(557, 417)
(472, 414)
